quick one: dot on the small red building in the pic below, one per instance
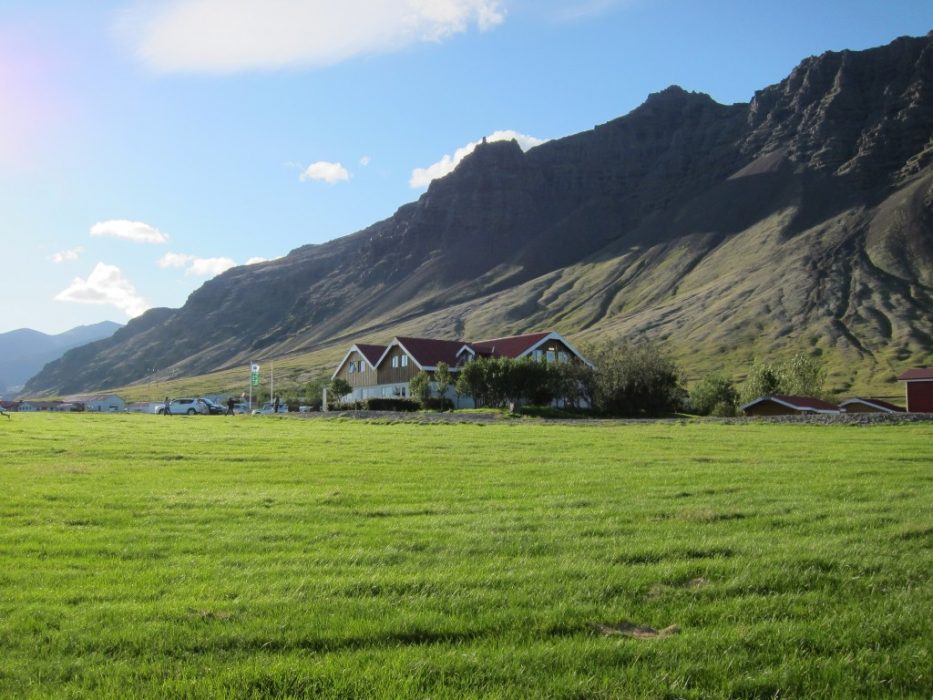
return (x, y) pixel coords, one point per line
(788, 406)
(919, 390)
(861, 405)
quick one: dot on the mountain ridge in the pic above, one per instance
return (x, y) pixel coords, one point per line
(24, 351)
(798, 221)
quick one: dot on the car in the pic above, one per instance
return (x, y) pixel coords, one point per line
(191, 407)
(214, 408)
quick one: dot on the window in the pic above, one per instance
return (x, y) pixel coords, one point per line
(395, 360)
(551, 356)
(537, 354)
(404, 360)
(562, 357)
(351, 368)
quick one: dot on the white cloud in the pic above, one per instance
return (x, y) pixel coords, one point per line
(174, 260)
(135, 231)
(105, 285)
(225, 36)
(209, 267)
(421, 177)
(322, 171)
(67, 255)
(254, 260)
(365, 160)
(196, 267)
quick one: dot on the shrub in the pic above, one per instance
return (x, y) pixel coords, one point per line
(420, 386)
(634, 380)
(438, 404)
(390, 404)
(714, 395)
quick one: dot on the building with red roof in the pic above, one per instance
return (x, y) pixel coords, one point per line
(788, 406)
(918, 389)
(386, 370)
(860, 405)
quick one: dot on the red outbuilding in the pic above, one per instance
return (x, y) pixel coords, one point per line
(919, 390)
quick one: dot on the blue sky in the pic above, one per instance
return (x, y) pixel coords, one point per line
(144, 146)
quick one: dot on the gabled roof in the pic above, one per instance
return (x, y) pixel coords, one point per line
(511, 346)
(515, 346)
(917, 374)
(875, 403)
(427, 352)
(370, 353)
(797, 403)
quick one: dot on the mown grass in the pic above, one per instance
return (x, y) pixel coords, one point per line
(255, 556)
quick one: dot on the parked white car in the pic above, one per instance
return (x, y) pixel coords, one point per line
(190, 407)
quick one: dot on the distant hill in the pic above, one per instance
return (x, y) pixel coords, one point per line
(802, 220)
(24, 352)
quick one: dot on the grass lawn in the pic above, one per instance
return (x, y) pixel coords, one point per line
(143, 556)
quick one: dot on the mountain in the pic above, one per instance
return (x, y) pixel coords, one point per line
(802, 220)
(23, 352)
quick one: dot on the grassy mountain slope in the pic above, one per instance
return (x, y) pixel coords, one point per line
(800, 221)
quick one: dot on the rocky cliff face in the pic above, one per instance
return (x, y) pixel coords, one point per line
(800, 220)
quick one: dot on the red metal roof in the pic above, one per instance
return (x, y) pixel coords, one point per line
(372, 353)
(874, 402)
(798, 403)
(427, 352)
(920, 373)
(511, 346)
(807, 402)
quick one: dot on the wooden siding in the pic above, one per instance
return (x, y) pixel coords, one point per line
(920, 396)
(357, 379)
(387, 374)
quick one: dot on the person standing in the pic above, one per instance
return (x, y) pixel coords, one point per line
(275, 404)
(165, 407)
(230, 404)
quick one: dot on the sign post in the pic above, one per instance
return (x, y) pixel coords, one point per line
(253, 381)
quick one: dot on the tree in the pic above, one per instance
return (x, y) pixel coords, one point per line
(442, 379)
(420, 386)
(800, 375)
(634, 380)
(472, 381)
(338, 388)
(314, 391)
(715, 395)
(573, 382)
(763, 380)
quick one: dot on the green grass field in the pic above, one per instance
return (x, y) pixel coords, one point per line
(254, 557)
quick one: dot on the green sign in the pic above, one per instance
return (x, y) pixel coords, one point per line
(254, 374)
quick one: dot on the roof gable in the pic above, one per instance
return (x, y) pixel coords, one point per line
(797, 403)
(876, 403)
(510, 346)
(921, 373)
(427, 352)
(370, 353)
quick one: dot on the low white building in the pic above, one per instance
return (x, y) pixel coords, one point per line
(109, 403)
